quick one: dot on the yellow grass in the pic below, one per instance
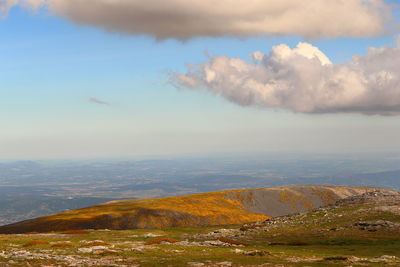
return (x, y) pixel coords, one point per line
(216, 206)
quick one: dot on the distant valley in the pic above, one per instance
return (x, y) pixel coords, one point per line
(14, 209)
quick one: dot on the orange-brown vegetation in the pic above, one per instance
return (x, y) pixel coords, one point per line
(326, 196)
(211, 205)
(295, 200)
(249, 227)
(61, 245)
(248, 198)
(35, 242)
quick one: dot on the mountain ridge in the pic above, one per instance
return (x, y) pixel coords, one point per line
(204, 209)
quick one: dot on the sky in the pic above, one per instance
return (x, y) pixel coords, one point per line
(107, 78)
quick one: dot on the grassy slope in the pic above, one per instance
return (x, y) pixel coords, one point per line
(198, 209)
(217, 208)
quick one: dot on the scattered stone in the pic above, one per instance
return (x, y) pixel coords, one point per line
(219, 243)
(384, 258)
(238, 251)
(209, 243)
(62, 260)
(95, 249)
(374, 226)
(224, 263)
(301, 259)
(251, 253)
(196, 264)
(148, 235)
(218, 233)
(177, 251)
(138, 249)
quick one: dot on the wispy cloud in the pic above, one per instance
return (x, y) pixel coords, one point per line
(303, 79)
(98, 101)
(184, 19)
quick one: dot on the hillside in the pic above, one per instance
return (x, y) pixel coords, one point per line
(217, 208)
(361, 230)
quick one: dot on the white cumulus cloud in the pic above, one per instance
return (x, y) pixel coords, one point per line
(184, 19)
(303, 79)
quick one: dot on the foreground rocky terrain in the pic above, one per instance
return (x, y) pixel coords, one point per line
(216, 208)
(361, 230)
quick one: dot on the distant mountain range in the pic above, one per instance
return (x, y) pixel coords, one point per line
(385, 179)
(14, 209)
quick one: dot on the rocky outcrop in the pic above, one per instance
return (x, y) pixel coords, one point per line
(281, 201)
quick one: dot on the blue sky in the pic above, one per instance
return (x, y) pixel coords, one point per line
(51, 67)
